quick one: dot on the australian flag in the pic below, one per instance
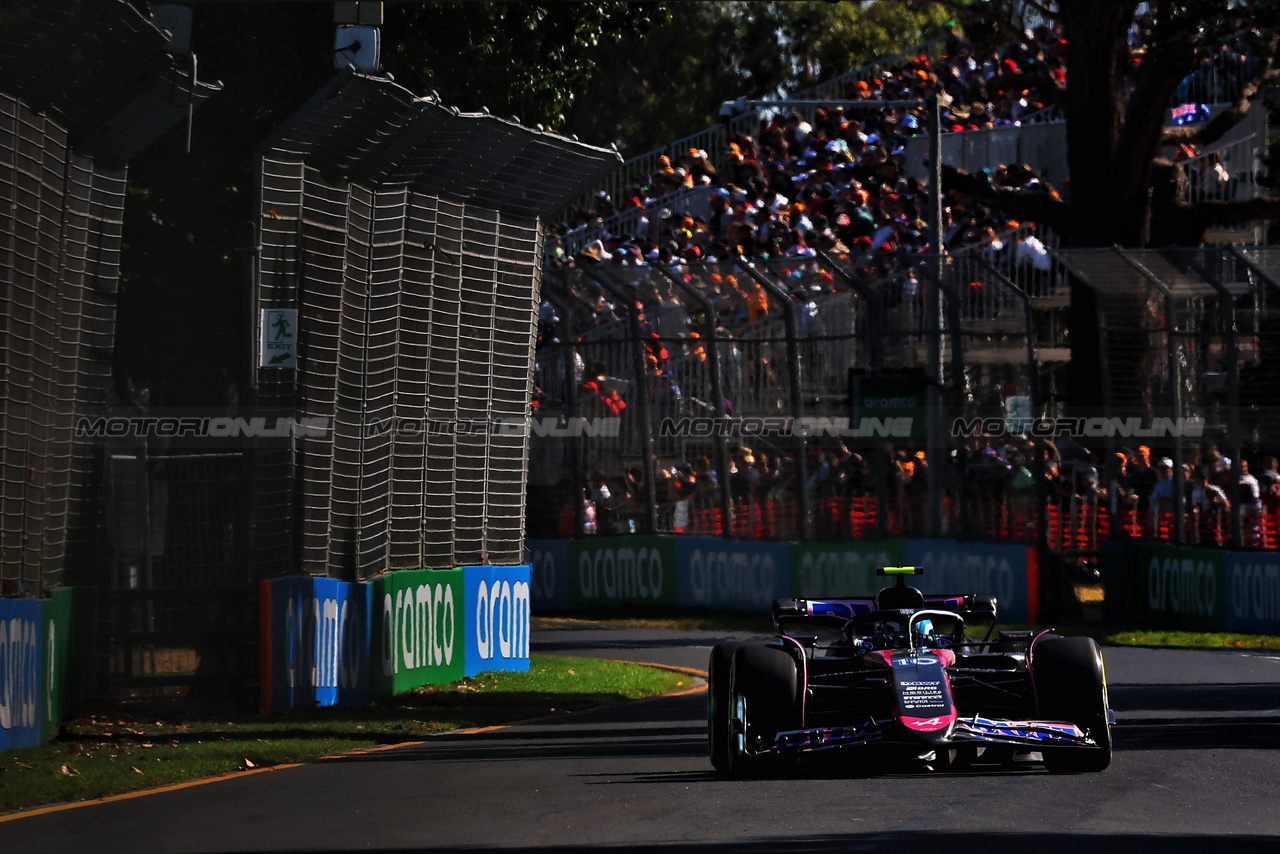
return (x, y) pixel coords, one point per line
(1186, 114)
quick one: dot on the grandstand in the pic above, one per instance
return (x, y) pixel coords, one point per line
(646, 308)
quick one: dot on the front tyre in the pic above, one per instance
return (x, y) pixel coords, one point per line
(764, 700)
(1071, 684)
(719, 719)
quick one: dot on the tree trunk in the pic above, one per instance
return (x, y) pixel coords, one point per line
(1108, 197)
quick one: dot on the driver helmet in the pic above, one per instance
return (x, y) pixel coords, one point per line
(924, 628)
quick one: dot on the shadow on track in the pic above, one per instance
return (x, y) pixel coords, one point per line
(950, 842)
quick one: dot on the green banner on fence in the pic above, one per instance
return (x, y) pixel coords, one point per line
(616, 571)
(65, 632)
(888, 408)
(55, 631)
(1182, 587)
(828, 569)
(417, 630)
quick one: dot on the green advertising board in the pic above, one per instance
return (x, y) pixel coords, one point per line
(417, 622)
(618, 571)
(898, 409)
(55, 629)
(1181, 587)
(65, 631)
(847, 568)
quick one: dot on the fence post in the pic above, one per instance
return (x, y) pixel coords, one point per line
(795, 398)
(570, 409)
(1233, 442)
(1033, 386)
(642, 398)
(717, 392)
(1171, 348)
(934, 439)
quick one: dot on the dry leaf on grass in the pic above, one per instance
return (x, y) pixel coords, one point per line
(134, 769)
(68, 772)
(249, 764)
(22, 764)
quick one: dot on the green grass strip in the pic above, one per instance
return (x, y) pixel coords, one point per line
(104, 755)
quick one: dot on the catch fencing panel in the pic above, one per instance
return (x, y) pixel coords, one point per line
(414, 263)
(59, 267)
(1187, 341)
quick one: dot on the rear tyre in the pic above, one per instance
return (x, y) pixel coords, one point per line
(1071, 685)
(718, 703)
(764, 700)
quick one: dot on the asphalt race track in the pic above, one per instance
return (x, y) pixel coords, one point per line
(1196, 769)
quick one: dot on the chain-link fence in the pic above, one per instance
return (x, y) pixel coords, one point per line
(831, 397)
(408, 239)
(70, 121)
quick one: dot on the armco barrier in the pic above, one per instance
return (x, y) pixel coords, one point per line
(951, 566)
(615, 571)
(314, 643)
(548, 574)
(1253, 592)
(747, 575)
(845, 568)
(417, 621)
(731, 574)
(496, 602)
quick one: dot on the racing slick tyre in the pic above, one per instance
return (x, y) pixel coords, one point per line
(764, 700)
(1071, 685)
(718, 704)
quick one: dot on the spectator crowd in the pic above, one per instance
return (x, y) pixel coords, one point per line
(837, 183)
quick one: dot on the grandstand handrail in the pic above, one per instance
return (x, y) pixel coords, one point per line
(583, 236)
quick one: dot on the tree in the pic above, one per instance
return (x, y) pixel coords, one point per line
(525, 59)
(1116, 98)
(1116, 95)
(668, 81)
(183, 328)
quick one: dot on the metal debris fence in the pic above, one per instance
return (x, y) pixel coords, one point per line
(408, 237)
(740, 393)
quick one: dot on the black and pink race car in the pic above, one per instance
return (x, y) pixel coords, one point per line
(901, 674)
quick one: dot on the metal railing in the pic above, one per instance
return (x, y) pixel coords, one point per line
(791, 398)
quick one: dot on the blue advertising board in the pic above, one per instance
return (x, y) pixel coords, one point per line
(315, 643)
(496, 602)
(988, 569)
(731, 574)
(21, 660)
(548, 574)
(1253, 592)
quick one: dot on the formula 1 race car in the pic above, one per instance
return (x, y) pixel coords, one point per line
(900, 675)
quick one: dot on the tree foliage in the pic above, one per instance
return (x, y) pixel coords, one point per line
(525, 59)
(666, 82)
(1124, 188)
